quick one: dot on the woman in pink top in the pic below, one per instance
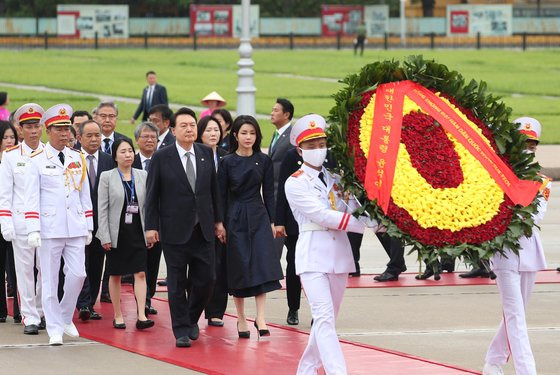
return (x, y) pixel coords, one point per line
(212, 101)
(4, 101)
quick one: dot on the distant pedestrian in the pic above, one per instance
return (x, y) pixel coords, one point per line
(152, 95)
(360, 40)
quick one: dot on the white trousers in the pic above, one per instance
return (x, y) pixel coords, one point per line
(59, 314)
(512, 336)
(324, 293)
(29, 291)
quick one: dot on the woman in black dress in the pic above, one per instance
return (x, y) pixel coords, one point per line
(210, 134)
(121, 196)
(253, 266)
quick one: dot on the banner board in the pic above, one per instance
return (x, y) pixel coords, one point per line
(83, 21)
(469, 20)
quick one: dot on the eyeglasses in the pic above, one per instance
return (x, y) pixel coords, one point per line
(105, 117)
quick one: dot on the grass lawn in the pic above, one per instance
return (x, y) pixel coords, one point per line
(529, 82)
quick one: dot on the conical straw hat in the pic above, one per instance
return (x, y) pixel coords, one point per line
(213, 96)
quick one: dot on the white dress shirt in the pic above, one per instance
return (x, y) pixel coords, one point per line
(161, 138)
(183, 157)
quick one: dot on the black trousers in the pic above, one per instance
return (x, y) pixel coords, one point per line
(197, 258)
(152, 271)
(95, 257)
(217, 305)
(7, 264)
(360, 42)
(293, 283)
(356, 243)
(395, 251)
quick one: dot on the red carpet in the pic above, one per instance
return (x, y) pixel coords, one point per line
(447, 279)
(219, 351)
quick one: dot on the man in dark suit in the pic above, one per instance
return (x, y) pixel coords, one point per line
(146, 135)
(89, 136)
(281, 117)
(161, 116)
(183, 206)
(107, 114)
(153, 94)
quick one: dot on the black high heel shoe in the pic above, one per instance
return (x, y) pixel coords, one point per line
(262, 332)
(243, 334)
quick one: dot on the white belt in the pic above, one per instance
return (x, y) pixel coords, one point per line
(308, 227)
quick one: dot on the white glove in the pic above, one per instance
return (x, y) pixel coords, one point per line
(34, 239)
(89, 237)
(368, 222)
(8, 233)
(381, 229)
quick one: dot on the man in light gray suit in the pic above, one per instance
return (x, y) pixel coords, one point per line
(281, 117)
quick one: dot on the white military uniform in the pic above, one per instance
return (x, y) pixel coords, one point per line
(13, 172)
(515, 280)
(59, 207)
(323, 258)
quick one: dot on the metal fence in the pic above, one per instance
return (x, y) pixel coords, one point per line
(431, 41)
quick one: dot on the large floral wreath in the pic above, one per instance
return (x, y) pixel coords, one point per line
(444, 199)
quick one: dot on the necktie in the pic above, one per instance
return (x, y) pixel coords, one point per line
(274, 139)
(322, 178)
(92, 174)
(61, 157)
(147, 165)
(149, 98)
(190, 172)
(107, 145)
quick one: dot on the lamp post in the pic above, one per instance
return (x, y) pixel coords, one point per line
(403, 23)
(245, 85)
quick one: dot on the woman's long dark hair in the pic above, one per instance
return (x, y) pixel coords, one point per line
(4, 126)
(237, 124)
(203, 123)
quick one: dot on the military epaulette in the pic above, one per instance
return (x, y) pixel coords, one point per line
(297, 173)
(545, 177)
(12, 148)
(35, 153)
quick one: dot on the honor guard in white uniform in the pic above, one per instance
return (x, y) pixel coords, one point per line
(323, 255)
(515, 280)
(13, 172)
(59, 217)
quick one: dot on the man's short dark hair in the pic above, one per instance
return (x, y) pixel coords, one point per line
(166, 113)
(287, 106)
(151, 72)
(186, 111)
(80, 114)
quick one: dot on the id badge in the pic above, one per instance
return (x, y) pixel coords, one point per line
(132, 209)
(128, 218)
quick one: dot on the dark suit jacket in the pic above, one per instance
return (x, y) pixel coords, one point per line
(158, 97)
(278, 152)
(104, 163)
(168, 140)
(137, 163)
(291, 163)
(171, 204)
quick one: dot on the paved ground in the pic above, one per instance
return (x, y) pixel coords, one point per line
(448, 324)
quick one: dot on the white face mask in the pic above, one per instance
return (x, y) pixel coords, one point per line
(314, 157)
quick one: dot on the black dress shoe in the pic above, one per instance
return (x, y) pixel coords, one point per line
(84, 313)
(2, 319)
(162, 282)
(105, 297)
(183, 342)
(149, 310)
(94, 315)
(31, 329)
(243, 334)
(194, 333)
(262, 332)
(293, 318)
(558, 269)
(215, 323)
(143, 324)
(17, 319)
(43, 324)
(426, 275)
(386, 276)
(475, 272)
(118, 325)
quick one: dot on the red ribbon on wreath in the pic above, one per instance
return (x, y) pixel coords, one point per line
(386, 136)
